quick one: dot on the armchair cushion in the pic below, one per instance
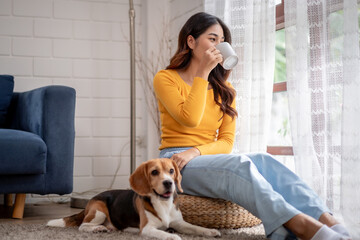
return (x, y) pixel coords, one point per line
(14, 145)
(6, 91)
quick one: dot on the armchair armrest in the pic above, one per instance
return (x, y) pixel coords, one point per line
(49, 112)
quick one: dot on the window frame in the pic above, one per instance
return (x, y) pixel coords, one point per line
(280, 16)
(280, 87)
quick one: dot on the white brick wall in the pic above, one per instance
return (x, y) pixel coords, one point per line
(5, 7)
(18, 26)
(16, 66)
(32, 47)
(5, 46)
(69, 48)
(79, 10)
(53, 28)
(82, 44)
(52, 67)
(33, 8)
(92, 30)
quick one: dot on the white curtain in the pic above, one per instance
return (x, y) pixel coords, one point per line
(252, 26)
(322, 54)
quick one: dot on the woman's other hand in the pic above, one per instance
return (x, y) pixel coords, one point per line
(183, 158)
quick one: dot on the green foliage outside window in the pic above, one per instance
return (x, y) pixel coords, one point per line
(280, 57)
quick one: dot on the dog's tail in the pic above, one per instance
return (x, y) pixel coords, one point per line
(71, 221)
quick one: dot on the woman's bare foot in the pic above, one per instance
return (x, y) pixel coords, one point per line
(303, 226)
(328, 219)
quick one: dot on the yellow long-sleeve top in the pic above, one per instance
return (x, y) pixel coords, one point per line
(189, 115)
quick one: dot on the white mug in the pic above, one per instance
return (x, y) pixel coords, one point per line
(229, 55)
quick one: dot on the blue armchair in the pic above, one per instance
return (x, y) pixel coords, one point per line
(36, 142)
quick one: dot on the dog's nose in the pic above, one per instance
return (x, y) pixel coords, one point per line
(167, 184)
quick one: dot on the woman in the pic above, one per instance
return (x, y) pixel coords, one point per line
(198, 114)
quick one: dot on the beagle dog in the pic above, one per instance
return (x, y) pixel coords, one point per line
(152, 205)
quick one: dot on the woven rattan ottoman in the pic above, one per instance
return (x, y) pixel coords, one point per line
(215, 213)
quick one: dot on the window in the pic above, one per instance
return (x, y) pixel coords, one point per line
(279, 142)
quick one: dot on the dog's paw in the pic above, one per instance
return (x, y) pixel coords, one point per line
(85, 227)
(100, 229)
(212, 233)
(173, 237)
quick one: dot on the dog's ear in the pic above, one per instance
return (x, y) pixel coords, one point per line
(139, 181)
(178, 176)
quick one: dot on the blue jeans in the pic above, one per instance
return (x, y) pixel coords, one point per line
(257, 182)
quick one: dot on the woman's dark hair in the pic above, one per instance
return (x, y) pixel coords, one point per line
(195, 26)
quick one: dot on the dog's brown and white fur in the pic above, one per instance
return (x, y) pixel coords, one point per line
(152, 206)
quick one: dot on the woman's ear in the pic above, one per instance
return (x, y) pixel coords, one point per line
(178, 176)
(139, 181)
(190, 41)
